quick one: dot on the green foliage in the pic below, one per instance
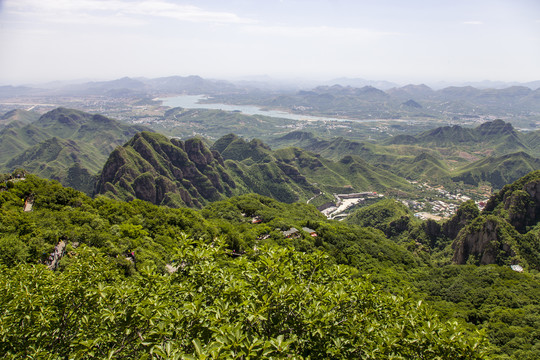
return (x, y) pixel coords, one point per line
(498, 171)
(240, 288)
(380, 215)
(498, 299)
(12, 251)
(281, 304)
(64, 144)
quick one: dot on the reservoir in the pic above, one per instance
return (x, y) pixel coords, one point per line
(192, 102)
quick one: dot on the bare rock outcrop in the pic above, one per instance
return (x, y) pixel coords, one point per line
(487, 240)
(504, 232)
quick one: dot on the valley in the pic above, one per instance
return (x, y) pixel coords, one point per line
(299, 180)
(435, 157)
(429, 212)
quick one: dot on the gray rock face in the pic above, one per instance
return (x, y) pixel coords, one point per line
(500, 233)
(485, 240)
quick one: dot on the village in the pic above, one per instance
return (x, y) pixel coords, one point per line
(345, 202)
(435, 203)
(442, 204)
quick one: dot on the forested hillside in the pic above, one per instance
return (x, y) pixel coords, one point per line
(493, 152)
(171, 172)
(73, 147)
(250, 276)
(67, 145)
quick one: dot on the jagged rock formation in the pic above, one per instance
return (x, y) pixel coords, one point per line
(162, 171)
(507, 231)
(487, 240)
(520, 202)
(467, 212)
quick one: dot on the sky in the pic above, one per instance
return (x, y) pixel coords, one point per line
(410, 41)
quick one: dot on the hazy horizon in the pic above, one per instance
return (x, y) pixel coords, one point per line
(402, 42)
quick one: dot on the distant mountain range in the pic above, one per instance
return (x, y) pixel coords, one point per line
(386, 85)
(126, 87)
(407, 102)
(96, 154)
(356, 100)
(197, 85)
(494, 152)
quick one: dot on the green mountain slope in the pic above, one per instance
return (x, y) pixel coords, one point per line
(333, 149)
(50, 156)
(493, 152)
(421, 167)
(17, 137)
(59, 140)
(60, 160)
(284, 172)
(103, 133)
(532, 140)
(170, 172)
(413, 162)
(349, 172)
(496, 135)
(255, 168)
(499, 171)
(18, 115)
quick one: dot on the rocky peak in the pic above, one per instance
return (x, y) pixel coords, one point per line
(487, 240)
(502, 233)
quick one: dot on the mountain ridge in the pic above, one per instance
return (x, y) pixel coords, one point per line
(52, 144)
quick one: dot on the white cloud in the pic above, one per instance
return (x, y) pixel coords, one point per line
(473, 22)
(184, 12)
(318, 31)
(116, 12)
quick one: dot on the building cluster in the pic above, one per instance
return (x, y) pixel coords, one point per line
(346, 201)
(444, 206)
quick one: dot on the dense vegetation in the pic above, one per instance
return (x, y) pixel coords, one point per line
(262, 275)
(493, 152)
(67, 145)
(138, 280)
(172, 172)
(77, 148)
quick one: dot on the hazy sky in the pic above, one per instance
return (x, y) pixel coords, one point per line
(396, 40)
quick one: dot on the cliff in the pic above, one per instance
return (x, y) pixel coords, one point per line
(507, 231)
(171, 172)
